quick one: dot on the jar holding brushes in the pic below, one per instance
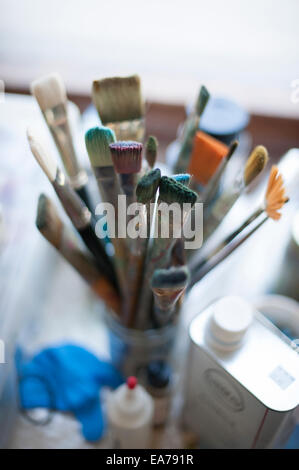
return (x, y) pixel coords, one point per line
(134, 256)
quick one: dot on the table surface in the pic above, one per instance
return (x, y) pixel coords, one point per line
(50, 320)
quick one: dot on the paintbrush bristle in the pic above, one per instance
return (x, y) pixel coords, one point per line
(118, 99)
(49, 91)
(147, 186)
(202, 100)
(231, 150)
(48, 221)
(126, 156)
(43, 158)
(172, 191)
(183, 178)
(255, 164)
(172, 278)
(97, 141)
(151, 149)
(275, 195)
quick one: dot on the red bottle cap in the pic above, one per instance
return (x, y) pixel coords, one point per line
(131, 382)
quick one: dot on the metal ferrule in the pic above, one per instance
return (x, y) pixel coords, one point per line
(72, 203)
(57, 121)
(128, 130)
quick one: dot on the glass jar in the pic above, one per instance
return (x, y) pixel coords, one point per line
(131, 351)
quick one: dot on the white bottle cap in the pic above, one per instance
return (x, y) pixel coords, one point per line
(230, 320)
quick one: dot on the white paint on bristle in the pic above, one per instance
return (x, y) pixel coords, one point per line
(49, 91)
(43, 158)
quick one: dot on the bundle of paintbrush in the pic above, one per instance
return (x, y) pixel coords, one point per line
(143, 213)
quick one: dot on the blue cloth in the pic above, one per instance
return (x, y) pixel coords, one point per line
(67, 378)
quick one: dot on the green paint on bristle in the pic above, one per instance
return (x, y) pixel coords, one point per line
(148, 186)
(202, 100)
(183, 178)
(172, 191)
(41, 216)
(97, 141)
(151, 150)
(172, 278)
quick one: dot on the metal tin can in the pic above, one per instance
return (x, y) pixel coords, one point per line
(242, 383)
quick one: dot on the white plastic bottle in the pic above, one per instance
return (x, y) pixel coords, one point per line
(130, 416)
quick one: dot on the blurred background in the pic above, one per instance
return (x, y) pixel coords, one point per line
(244, 51)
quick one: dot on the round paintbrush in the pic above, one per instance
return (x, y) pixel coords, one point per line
(50, 93)
(222, 205)
(189, 131)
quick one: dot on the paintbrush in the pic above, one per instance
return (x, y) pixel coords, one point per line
(50, 94)
(97, 142)
(167, 231)
(151, 150)
(212, 187)
(146, 195)
(64, 241)
(127, 159)
(120, 106)
(189, 131)
(183, 178)
(223, 254)
(75, 208)
(167, 285)
(222, 205)
(274, 200)
(206, 156)
(178, 252)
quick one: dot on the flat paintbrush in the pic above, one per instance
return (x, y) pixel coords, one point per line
(168, 285)
(119, 103)
(75, 208)
(66, 243)
(50, 94)
(189, 131)
(127, 159)
(222, 205)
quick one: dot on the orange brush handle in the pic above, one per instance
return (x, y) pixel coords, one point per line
(206, 155)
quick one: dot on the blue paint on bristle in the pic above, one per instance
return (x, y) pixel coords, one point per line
(183, 178)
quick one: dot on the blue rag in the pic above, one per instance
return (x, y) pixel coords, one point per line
(67, 378)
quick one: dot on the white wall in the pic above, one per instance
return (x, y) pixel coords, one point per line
(248, 49)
